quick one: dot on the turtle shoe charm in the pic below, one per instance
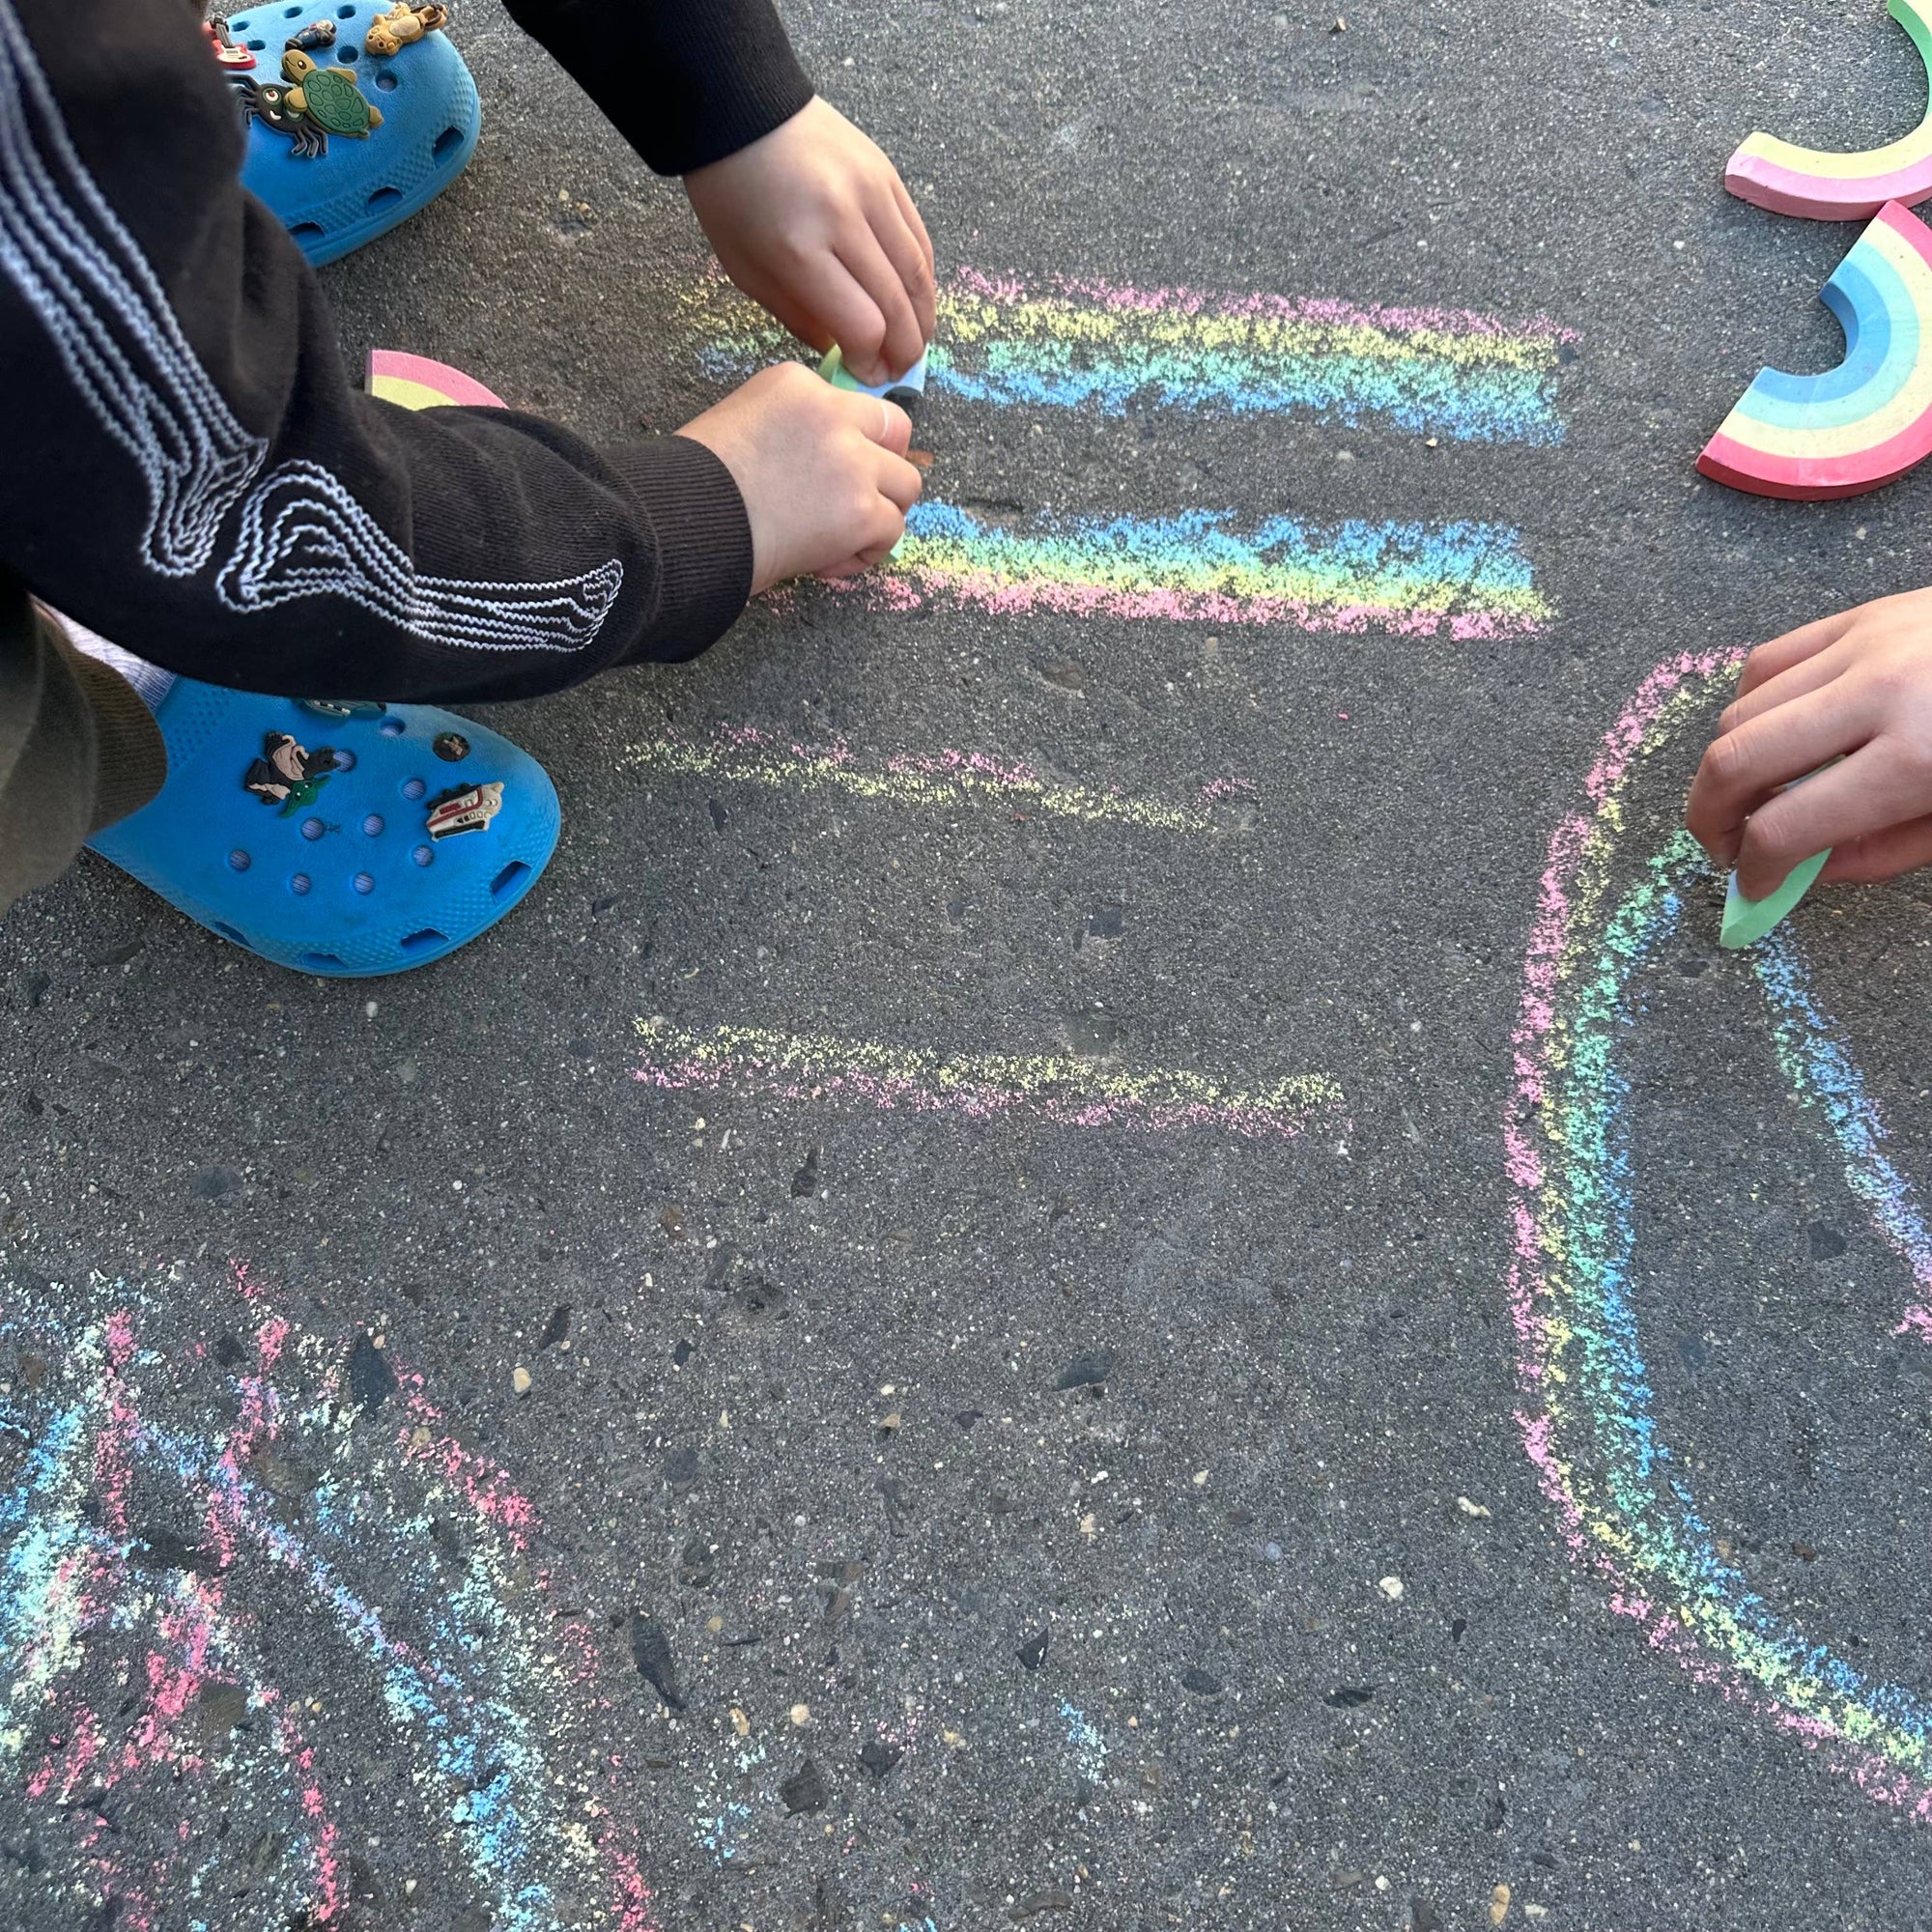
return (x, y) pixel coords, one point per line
(316, 103)
(403, 24)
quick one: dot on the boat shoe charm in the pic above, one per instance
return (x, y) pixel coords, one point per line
(465, 809)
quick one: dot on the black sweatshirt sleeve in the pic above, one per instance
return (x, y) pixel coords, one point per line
(186, 466)
(686, 82)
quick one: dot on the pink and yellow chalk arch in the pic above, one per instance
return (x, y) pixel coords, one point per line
(1773, 174)
(416, 383)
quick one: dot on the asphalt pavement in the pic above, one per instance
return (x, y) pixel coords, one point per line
(1110, 1250)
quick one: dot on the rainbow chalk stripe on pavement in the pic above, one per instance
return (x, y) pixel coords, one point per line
(1087, 344)
(1056, 1088)
(1840, 187)
(410, 1571)
(748, 755)
(1457, 579)
(1621, 872)
(1871, 419)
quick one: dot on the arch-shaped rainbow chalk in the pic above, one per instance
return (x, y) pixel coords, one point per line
(1868, 420)
(1840, 187)
(416, 383)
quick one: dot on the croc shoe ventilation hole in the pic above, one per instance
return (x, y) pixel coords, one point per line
(383, 197)
(227, 931)
(447, 143)
(421, 942)
(511, 873)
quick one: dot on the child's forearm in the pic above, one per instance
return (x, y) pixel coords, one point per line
(686, 82)
(188, 467)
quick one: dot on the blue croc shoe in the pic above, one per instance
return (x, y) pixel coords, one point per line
(358, 115)
(336, 838)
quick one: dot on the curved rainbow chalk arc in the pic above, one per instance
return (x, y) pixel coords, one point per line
(416, 383)
(1865, 423)
(1769, 173)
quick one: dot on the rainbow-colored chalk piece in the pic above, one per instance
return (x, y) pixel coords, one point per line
(416, 383)
(1772, 174)
(1053, 1087)
(1869, 420)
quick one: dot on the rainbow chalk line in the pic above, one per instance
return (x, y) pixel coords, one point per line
(747, 754)
(1468, 580)
(1073, 344)
(1622, 1497)
(485, 1681)
(1050, 1086)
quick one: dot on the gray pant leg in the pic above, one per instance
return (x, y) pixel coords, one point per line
(78, 749)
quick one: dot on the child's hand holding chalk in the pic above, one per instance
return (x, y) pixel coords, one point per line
(814, 223)
(1856, 688)
(824, 472)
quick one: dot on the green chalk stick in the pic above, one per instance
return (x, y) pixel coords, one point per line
(1747, 920)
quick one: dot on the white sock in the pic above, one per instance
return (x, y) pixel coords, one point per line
(150, 681)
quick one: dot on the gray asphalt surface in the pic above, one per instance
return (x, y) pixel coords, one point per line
(734, 1618)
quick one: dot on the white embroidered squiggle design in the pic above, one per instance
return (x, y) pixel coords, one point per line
(302, 533)
(80, 271)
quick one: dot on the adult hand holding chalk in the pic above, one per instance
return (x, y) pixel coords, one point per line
(1852, 691)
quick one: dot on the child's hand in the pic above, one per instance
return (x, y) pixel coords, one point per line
(813, 222)
(1857, 687)
(823, 472)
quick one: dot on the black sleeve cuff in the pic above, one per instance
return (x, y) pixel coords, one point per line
(686, 82)
(704, 544)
